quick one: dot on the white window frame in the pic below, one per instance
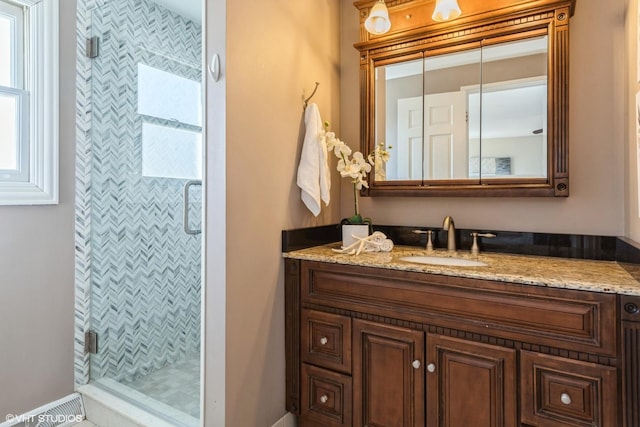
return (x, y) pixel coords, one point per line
(170, 123)
(41, 83)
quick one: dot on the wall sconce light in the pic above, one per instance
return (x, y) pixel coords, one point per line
(446, 10)
(378, 21)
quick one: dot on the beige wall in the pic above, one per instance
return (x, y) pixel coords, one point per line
(276, 50)
(597, 141)
(36, 267)
(632, 87)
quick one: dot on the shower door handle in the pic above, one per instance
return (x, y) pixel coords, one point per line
(185, 209)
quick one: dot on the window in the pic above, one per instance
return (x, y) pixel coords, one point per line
(28, 102)
(171, 153)
(171, 110)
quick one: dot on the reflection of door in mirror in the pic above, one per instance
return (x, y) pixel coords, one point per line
(473, 115)
(444, 149)
(445, 135)
(425, 118)
(447, 125)
(408, 152)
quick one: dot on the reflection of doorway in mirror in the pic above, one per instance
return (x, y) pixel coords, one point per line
(445, 135)
(407, 163)
(444, 153)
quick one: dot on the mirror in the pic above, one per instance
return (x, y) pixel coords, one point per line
(477, 114)
(483, 114)
(509, 130)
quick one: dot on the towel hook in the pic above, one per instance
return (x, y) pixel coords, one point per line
(306, 101)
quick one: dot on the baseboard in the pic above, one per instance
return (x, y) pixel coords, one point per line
(63, 412)
(101, 408)
(289, 420)
(106, 409)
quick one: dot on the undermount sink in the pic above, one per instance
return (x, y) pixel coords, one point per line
(448, 261)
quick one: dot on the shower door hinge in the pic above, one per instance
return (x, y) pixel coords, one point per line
(91, 342)
(92, 47)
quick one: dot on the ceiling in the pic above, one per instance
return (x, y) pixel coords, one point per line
(190, 9)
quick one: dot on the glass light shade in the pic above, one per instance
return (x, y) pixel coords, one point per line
(378, 21)
(446, 10)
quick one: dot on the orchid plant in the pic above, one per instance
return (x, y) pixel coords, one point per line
(356, 168)
(380, 157)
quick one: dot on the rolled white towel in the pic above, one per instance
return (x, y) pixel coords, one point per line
(378, 237)
(386, 246)
(376, 242)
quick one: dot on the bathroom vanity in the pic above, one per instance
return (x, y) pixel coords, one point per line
(523, 341)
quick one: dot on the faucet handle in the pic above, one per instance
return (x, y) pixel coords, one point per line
(475, 250)
(429, 233)
(489, 235)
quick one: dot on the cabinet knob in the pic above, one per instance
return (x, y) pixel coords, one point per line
(565, 398)
(324, 340)
(324, 398)
(415, 364)
(631, 308)
(431, 367)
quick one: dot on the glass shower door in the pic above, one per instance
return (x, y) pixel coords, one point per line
(146, 146)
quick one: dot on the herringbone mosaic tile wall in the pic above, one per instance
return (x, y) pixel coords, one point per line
(144, 271)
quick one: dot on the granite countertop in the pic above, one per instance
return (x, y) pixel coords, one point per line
(587, 275)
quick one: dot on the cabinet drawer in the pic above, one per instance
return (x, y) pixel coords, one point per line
(326, 340)
(572, 320)
(559, 392)
(326, 398)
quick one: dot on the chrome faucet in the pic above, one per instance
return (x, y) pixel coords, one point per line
(451, 233)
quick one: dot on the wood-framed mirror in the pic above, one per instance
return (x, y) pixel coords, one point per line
(477, 106)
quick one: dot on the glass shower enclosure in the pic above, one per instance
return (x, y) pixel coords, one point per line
(146, 198)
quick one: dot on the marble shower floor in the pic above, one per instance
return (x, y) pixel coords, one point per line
(177, 385)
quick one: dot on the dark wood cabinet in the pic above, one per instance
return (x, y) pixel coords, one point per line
(388, 375)
(630, 353)
(326, 397)
(326, 340)
(370, 346)
(559, 392)
(470, 384)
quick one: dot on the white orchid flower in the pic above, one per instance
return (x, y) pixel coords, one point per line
(351, 170)
(355, 167)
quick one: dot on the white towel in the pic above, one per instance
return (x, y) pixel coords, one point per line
(314, 178)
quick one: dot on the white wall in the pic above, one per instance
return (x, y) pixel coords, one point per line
(597, 141)
(37, 264)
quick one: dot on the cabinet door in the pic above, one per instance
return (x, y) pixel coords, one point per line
(631, 378)
(630, 310)
(470, 384)
(388, 376)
